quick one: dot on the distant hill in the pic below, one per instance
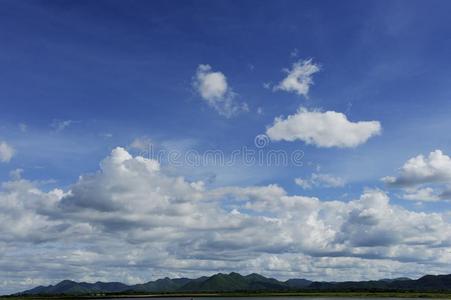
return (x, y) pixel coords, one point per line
(77, 288)
(425, 283)
(297, 284)
(235, 282)
(161, 285)
(395, 279)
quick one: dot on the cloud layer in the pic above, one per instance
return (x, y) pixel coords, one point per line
(130, 221)
(323, 129)
(214, 89)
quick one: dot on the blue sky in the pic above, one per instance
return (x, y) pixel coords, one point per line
(80, 78)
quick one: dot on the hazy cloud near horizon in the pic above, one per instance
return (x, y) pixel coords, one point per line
(132, 222)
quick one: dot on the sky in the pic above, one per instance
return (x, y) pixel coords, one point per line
(296, 139)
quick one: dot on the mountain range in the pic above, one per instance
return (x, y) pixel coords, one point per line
(234, 282)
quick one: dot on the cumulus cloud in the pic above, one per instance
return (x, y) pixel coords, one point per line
(6, 152)
(299, 78)
(434, 168)
(131, 219)
(320, 180)
(323, 129)
(20, 216)
(424, 178)
(213, 88)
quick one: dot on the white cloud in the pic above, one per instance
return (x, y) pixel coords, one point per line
(6, 152)
(214, 89)
(212, 85)
(20, 218)
(424, 178)
(323, 129)
(435, 168)
(320, 180)
(304, 183)
(131, 219)
(328, 180)
(299, 78)
(421, 194)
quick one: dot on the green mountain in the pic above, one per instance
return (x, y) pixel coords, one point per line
(78, 288)
(437, 282)
(235, 282)
(161, 285)
(216, 283)
(297, 284)
(425, 283)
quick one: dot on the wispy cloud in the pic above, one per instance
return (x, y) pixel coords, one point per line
(213, 88)
(60, 125)
(299, 78)
(320, 180)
